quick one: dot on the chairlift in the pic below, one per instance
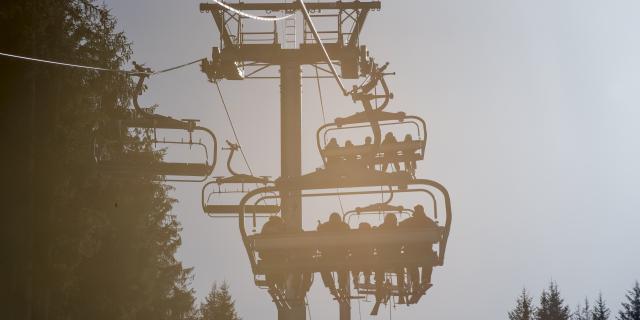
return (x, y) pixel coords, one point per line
(238, 184)
(374, 149)
(147, 161)
(394, 286)
(312, 242)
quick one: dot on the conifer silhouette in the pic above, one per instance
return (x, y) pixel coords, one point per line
(524, 309)
(583, 312)
(218, 305)
(631, 308)
(552, 305)
(600, 310)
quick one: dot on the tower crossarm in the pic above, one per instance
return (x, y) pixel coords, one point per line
(235, 54)
(294, 6)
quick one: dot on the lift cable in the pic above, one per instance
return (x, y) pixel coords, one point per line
(250, 16)
(233, 128)
(375, 92)
(324, 120)
(178, 67)
(235, 134)
(72, 65)
(305, 13)
(340, 202)
(307, 18)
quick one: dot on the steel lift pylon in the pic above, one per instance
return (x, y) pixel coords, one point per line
(236, 54)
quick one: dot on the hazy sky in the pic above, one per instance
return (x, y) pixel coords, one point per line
(532, 109)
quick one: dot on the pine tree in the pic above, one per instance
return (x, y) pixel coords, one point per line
(524, 307)
(77, 243)
(631, 308)
(218, 305)
(552, 305)
(582, 312)
(600, 310)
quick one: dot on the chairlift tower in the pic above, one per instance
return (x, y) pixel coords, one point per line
(244, 54)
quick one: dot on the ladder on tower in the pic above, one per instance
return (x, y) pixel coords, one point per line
(290, 33)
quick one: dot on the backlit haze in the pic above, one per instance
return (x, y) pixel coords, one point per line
(532, 108)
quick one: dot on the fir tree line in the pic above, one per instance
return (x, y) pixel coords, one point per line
(77, 243)
(551, 306)
(218, 305)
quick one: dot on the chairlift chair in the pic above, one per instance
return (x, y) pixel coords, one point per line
(238, 184)
(312, 241)
(376, 151)
(373, 153)
(147, 162)
(392, 283)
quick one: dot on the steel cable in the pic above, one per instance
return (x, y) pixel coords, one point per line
(69, 64)
(324, 120)
(250, 16)
(233, 128)
(73, 65)
(307, 17)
